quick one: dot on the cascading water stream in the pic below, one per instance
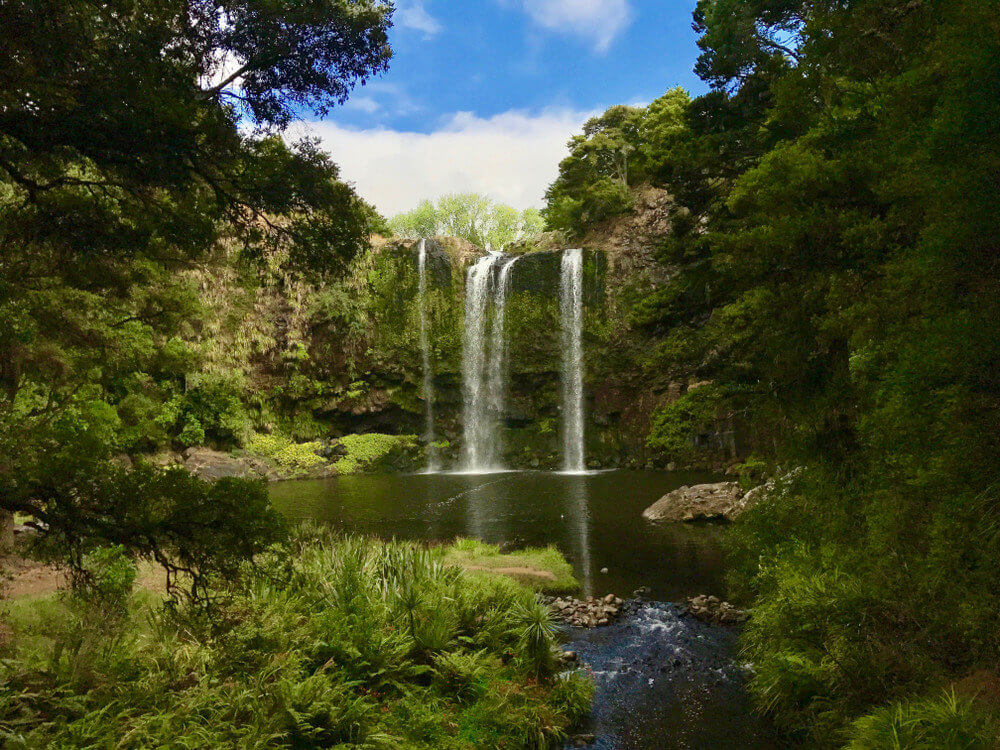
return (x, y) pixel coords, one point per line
(497, 372)
(433, 458)
(478, 450)
(571, 313)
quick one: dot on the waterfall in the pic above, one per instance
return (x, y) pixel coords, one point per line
(497, 373)
(433, 459)
(571, 313)
(478, 450)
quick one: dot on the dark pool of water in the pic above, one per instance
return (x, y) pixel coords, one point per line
(664, 680)
(594, 519)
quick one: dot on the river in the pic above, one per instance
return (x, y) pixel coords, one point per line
(664, 679)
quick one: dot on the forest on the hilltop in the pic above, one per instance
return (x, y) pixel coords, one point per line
(834, 262)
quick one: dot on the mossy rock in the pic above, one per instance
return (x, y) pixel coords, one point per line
(373, 453)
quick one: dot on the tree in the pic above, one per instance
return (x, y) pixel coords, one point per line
(137, 139)
(616, 152)
(473, 217)
(834, 275)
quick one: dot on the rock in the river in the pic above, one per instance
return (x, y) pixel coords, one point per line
(587, 613)
(713, 609)
(702, 502)
(212, 465)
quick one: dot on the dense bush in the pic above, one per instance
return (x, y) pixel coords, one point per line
(351, 643)
(928, 724)
(830, 267)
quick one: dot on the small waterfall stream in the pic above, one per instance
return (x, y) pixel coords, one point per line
(479, 449)
(433, 458)
(571, 313)
(497, 375)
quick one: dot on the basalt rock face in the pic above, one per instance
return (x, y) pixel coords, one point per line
(346, 357)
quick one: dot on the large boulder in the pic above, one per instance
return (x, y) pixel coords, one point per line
(702, 502)
(213, 465)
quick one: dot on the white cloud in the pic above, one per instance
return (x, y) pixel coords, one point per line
(512, 157)
(414, 16)
(364, 104)
(597, 21)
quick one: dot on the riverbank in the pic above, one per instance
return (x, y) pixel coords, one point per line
(351, 642)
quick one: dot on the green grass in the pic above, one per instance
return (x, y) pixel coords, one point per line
(349, 643)
(944, 721)
(481, 559)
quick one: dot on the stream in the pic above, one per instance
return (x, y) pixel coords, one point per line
(664, 679)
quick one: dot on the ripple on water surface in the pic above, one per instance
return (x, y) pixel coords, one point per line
(666, 680)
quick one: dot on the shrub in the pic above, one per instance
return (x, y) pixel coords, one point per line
(107, 577)
(928, 724)
(287, 455)
(676, 425)
(329, 650)
(373, 452)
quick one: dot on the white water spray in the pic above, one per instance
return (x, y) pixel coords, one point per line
(571, 313)
(497, 372)
(433, 459)
(478, 450)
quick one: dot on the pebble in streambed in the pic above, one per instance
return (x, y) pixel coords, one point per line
(664, 680)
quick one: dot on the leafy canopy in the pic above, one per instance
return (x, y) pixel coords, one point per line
(475, 218)
(139, 139)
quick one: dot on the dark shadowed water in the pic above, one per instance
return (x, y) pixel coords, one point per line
(664, 680)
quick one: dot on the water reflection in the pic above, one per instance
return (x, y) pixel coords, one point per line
(577, 514)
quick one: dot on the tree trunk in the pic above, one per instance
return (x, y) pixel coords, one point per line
(6, 531)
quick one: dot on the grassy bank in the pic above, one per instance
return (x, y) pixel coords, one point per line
(543, 569)
(332, 643)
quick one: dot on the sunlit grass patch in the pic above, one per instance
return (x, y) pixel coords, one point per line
(543, 569)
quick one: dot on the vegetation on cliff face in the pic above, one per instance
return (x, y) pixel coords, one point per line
(617, 151)
(833, 252)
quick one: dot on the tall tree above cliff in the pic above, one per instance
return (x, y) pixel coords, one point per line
(616, 151)
(476, 218)
(135, 135)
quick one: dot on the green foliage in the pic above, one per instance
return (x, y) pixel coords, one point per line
(616, 152)
(373, 452)
(472, 217)
(215, 403)
(675, 426)
(107, 577)
(195, 529)
(289, 456)
(831, 271)
(928, 724)
(192, 432)
(314, 647)
(146, 162)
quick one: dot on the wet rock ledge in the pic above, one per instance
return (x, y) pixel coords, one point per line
(712, 609)
(592, 612)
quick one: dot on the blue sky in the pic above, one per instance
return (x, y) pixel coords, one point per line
(483, 95)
